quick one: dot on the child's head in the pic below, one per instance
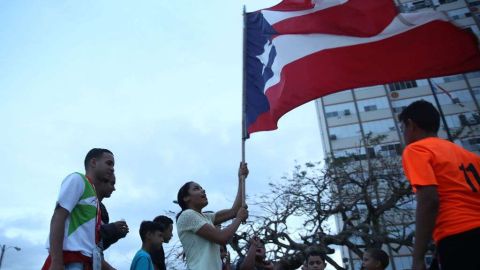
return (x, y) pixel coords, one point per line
(375, 259)
(315, 260)
(418, 120)
(151, 234)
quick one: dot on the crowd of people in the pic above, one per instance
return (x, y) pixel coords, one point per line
(443, 175)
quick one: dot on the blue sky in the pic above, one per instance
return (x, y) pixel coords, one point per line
(157, 82)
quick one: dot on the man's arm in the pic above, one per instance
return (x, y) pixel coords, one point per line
(426, 215)
(249, 261)
(112, 232)
(57, 232)
(227, 214)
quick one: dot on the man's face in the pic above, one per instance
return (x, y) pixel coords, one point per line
(407, 128)
(110, 187)
(260, 251)
(315, 263)
(168, 233)
(103, 166)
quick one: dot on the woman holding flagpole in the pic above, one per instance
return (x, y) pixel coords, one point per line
(200, 238)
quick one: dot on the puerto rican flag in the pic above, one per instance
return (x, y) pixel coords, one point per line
(301, 50)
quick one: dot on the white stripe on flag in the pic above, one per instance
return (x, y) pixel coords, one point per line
(308, 44)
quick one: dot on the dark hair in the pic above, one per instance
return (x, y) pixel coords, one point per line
(149, 226)
(182, 193)
(95, 153)
(315, 253)
(164, 220)
(422, 113)
(378, 255)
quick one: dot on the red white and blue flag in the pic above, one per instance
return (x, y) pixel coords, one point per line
(301, 50)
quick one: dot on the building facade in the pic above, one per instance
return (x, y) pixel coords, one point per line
(347, 117)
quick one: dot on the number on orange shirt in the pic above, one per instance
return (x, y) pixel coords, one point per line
(473, 170)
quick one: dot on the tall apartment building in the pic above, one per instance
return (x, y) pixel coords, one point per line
(347, 117)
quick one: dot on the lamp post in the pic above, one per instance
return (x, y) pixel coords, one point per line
(4, 248)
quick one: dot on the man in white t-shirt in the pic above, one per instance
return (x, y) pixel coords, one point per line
(75, 224)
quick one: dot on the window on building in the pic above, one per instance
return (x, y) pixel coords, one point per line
(338, 110)
(415, 5)
(404, 262)
(369, 108)
(446, 79)
(373, 104)
(446, 1)
(345, 131)
(391, 150)
(472, 75)
(398, 105)
(331, 114)
(458, 14)
(476, 93)
(456, 97)
(473, 3)
(402, 85)
(379, 126)
(474, 141)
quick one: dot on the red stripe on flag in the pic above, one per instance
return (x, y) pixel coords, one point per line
(293, 5)
(354, 18)
(435, 49)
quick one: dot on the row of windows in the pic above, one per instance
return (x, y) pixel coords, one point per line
(416, 5)
(346, 109)
(353, 130)
(424, 82)
(386, 150)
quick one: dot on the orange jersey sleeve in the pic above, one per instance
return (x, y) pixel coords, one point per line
(417, 164)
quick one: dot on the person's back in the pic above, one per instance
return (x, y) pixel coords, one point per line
(446, 182)
(454, 171)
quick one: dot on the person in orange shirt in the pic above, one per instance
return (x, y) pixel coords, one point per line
(446, 180)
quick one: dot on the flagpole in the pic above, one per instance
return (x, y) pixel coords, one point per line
(442, 116)
(244, 97)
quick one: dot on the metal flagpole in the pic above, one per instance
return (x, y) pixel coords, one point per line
(442, 116)
(244, 97)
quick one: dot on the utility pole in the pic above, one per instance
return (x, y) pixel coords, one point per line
(4, 248)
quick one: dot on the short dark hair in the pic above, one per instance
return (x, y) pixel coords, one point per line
(379, 255)
(164, 220)
(95, 153)
(149, 226)
(315, 253)
(422, 113)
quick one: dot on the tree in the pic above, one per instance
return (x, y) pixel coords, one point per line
(367, 194)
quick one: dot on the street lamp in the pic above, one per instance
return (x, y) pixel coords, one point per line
(4, 248)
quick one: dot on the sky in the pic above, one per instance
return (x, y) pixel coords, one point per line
(156, 82)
